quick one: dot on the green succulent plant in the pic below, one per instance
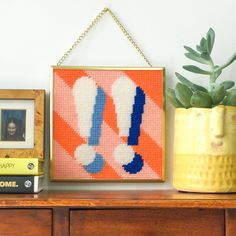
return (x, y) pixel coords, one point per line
(187, 94)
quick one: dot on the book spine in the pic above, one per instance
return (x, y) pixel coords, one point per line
(20, 166)
(19, 184)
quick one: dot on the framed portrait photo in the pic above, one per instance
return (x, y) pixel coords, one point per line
(107, 124)
(22, 123)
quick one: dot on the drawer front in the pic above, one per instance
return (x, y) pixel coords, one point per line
(146, 222)
(230, 222)
(25, 222)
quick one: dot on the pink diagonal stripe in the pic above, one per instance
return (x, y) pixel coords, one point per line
(65, 166)
(152, 112)
(107, 135)
(64, 104)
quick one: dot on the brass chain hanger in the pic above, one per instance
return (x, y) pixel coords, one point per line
(88, 29)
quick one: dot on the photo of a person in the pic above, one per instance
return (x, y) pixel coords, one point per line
(13, 125)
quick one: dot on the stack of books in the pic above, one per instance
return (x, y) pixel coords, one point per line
(21, 175)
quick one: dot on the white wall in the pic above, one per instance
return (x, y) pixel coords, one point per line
(35, 34)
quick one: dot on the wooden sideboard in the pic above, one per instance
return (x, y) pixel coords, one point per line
(63, 213)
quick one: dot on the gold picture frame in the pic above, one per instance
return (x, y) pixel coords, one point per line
(63, 131)
(24, 109)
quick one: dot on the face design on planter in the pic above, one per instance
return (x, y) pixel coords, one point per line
(206, 131)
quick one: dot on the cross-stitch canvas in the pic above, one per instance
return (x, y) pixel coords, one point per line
(108, 124)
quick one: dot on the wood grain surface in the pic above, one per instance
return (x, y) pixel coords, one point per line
(119, 199)
(61, 221)
(25, 222)
(230, 221)
(64, 213)
(141, 222)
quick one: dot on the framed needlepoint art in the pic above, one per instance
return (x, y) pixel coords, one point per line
(107, 124)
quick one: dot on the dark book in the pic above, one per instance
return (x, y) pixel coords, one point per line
(21, 184)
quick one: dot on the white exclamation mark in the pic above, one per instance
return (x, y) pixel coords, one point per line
(89, 100)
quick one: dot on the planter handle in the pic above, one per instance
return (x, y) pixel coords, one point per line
(217, 121)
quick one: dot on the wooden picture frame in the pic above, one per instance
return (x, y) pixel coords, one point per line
(22, 123)
(91, 138)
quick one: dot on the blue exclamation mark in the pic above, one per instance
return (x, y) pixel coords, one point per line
(129, 102)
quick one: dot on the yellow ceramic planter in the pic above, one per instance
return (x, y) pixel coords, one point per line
(205, 149)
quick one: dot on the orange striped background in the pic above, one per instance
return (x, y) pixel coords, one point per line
(66, 136)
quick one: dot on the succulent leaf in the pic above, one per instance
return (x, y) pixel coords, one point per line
(230, 99)
(217, 72)
(193, 55)
(192, 51)
(203, 44)
(196, 58)
(199, 88)
(188, 94)
(228, 84)
(170, 93)
(199, 48)
(206, 56)
(217, 94)
(183, 93)
(188, 83)
(196, 70)
(201, 99)
(208, 45)
(210, 39)
(231, 60)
